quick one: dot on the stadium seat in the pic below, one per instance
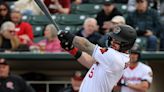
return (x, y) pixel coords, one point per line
(10, 4)
(38, 39)
(42, 19)
(122, 8)
(38, 31)
(142, 42)
(96, 1)
(87, 9)
(73, 8)
(26, 18)
(72, 19)
(72, 29)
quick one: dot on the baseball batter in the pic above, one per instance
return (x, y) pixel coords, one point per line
(106, 64)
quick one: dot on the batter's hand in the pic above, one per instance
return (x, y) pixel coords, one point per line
(66, 45)
(66, 39)
(65, 35)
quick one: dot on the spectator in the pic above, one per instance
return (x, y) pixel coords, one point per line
(28, 7)
(104, 16)
(58, 6)
(4, 13)
(147, 23)
(10, 82)
(8, 39)
(137, 77)
(132, 5)
(117, 20)
(51, 43)
(76, 81)
(23, 29)
(89, 30)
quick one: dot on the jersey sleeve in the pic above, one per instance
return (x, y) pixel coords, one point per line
(148, 75)
(103, 56)
(98, 54)
(110, 58)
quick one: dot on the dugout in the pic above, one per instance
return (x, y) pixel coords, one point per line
(58, 67)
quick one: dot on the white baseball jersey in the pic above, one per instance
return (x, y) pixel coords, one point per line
(106, 72)
(140, 73)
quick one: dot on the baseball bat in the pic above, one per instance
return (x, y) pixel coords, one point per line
(43, 7)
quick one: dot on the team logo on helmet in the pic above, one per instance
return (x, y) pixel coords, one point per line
(116, 30)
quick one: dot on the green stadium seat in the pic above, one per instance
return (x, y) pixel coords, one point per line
(38, 39)
(38, 31)
(88, 9)
(26, 18)
(42, 19)
(72, 19)
(73, 8)
(72, 29)
(142, 42)
(39, 20)
(122, 8)
(96, 1)
(10, 4)
(68, 28)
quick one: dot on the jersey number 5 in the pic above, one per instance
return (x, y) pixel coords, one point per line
(91, 73)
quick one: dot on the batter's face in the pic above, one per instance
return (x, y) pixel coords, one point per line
(115, 44)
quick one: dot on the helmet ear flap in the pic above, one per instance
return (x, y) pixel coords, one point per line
(125, 46)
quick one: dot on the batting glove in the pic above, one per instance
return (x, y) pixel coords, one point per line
(66, 35)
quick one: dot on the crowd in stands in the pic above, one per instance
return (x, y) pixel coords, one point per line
(22, 23)
(144, 15)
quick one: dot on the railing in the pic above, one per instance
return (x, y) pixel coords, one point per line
(48, 83)
(157, 55)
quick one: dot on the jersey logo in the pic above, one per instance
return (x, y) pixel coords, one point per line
(103, 50)
(91, 73)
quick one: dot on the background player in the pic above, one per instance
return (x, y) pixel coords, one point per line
(106, 64)
(137, 77)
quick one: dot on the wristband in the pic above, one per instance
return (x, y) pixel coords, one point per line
(75, 52)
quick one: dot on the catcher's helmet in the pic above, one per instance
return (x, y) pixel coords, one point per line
(124, 34)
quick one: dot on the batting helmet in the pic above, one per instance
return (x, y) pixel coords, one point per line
(125, 34)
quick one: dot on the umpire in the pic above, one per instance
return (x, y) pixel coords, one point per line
(9, 82)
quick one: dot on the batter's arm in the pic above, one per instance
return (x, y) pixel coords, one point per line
(83, 44)
(86, 60)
